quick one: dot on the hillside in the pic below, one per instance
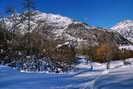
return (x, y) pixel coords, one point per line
(125, 28)
(57, 27)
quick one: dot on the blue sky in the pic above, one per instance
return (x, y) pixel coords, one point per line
(104, 13)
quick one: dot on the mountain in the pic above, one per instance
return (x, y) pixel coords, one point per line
(38, 18)
(125, 28)
(57, 27)
(93, 35)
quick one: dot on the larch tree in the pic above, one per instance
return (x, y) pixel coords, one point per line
(105, 53)
(29, 6)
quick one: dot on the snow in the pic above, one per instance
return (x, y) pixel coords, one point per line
(127, 47)
(125, 28)
(53, 19)
(60, 45)
(118, 77)
(61, 22)
(123, 24)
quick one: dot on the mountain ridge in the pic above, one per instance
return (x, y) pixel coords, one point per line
(57, 27)
(125, 28)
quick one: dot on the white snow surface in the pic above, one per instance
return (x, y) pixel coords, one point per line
(61, 22)
(53, 19)
(123, 24)
(125, 28)
(127, 47)
(118, 77)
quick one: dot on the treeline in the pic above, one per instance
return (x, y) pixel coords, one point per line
(105, 52)
(18, 51)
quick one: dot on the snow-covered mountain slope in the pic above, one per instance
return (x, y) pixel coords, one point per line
(53, 19)
(57, 27)
(37, 19)
(118, 77)
(125, 28)
(93, 35)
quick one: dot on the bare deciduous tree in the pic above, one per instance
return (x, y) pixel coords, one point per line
(29, 6)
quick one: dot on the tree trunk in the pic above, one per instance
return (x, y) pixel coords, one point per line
(108, 64)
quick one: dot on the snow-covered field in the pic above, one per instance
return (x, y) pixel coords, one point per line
(82, 77)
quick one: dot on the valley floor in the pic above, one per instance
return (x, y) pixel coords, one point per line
(118, 77)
